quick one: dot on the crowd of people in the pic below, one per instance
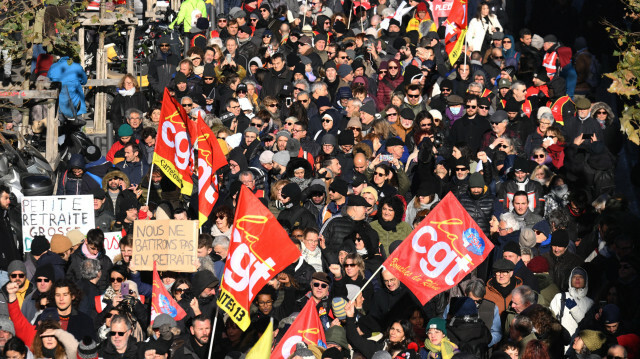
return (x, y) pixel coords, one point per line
(350, 123)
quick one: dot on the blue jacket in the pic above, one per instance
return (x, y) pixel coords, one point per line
(72, 76)
(135, 171)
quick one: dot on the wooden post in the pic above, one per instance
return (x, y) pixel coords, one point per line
(52, 134)
(25, 121)
(81, 39)
(132, 32)
(100, 110)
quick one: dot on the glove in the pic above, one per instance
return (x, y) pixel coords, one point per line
(570, 303)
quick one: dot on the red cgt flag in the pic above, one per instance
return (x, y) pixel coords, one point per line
(174, 150)
(455, 30)
(210, 159)
(260, 248)
(306, 328)
(161, 300)
(444, 247)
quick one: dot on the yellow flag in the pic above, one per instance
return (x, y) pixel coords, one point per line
(262, 349)
(457, 49)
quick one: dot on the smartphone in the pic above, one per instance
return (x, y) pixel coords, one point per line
(270, 49)
(288, 101)
(587, 136)
(386, 158)
(228, 58)
(124, 290)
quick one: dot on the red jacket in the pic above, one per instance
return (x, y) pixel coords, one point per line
(556, 152)
(386, 86)
(24, 330)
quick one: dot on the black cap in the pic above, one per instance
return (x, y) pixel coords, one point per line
(520, 164)
(407, 113)
(560, 238)
(180, 77)
(512, 247)
(246, 29)
(503, 265)
(394, 141)
(346, 138)
(358, 179)
(209, 70)
(339, 186)
(354, 200)
(426, 189)
(98, 193)
(39, 245)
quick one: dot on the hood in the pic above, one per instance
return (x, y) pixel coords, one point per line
(237, 155)
(559, 87)
(582, 292)
(117, 173)
(601, 105)
(298, 162)
(512, 51)
(77, 161)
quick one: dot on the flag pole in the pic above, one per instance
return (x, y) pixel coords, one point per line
(367, 283)
(149, 187)
(350, 14)
(213, 332)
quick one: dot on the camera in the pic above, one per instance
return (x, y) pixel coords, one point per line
(437, 140)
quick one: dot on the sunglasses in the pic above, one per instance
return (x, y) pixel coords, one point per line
(273, 105)
(221, 216)
(503, 146)
(117, 334)
(461, 169)
(483, 107)
(164, 45)
(413, 96)
(472, 106)
(187, 105)
(539, 156)
(17, 275)
(601, 113)
(326, 121)
(344, 57)
(208, 78)
(290, 123)
(380, 174)
(499, 57)
(353, 129)
(119, 280)
(256, 124)
(350, 265)
(445, 90)
(392, 114)
(43, 280)
(222, 20)
(321, 285)
(506, 41)
(181, 290)
(263, 10)
(393, 67)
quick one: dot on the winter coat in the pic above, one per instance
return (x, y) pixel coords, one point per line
(478, 28)
(4, 297)
(135, 171)
(386, 86)
(76, 259)
(185, 14)
(480, 209)
(72, 76)
(121, 104)
(401, 231)
(574, 126)
(570, 318)
(469, 131)
(534, 191)
(412, 211)
(59, 265)
(494, 295)
(273, 82)
(161, 71)
(11, 248)
(104, 218)
(108, 351)
(470, 334)
(338, 229)
(561, 267)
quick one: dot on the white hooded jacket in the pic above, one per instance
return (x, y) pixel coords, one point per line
(571, 317)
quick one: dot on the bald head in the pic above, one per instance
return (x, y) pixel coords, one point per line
(359, 162)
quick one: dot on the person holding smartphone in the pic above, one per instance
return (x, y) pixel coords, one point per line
(582, 128)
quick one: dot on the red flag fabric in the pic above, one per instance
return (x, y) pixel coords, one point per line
(210, 159)
(440, 251)
(456, 26)
(260, 249)
(162, 301)
(306, 328)
(174, 151)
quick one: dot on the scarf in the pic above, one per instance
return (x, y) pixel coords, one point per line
(86, 252)
(22, 292)
(388, 225)
(446, 348)
(124, 92)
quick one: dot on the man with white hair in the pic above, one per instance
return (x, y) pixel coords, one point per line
(508, 231)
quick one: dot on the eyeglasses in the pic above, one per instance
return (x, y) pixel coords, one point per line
(222, 20)
(498, 57)
(222, 216)
(326, 121)
(208, 78)
(392, 114)
(413, 96)
(273, 105)
(350, 265)
(187, 105)
(17, 275)
(263, 10)
(503, 146)
(393, 67)
(241, 91)
(117, 334)
(43, 280)
(353, 129)
(321, 285)
(445, 90)
(601, 112)
(380, 174)
(165, 45)
(264, 304)
(506, 41)
(256, 124)
(304, 101)
(119, 280)
(257, 20)
(181, 290)
(472, 106)
(545, 123)
(482, 107)
(539, 156)
(458, 169)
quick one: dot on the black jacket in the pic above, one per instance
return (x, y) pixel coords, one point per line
(74, 271)
(336, 230)
(273, 82)
(479, 209)
(469, 131)
(161, 70)
(470, 334)
(11, 248)
(121, 104)
(108, 350)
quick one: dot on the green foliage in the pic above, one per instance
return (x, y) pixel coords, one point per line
(626, 78)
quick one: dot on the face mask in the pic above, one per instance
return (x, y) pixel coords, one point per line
(455, 110)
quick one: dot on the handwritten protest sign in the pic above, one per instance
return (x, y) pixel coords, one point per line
(112, 244)
(49, 215)
(171, 243)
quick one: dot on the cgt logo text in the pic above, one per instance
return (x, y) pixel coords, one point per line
(440, 256)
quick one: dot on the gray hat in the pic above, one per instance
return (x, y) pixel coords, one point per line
(369, 108)
(337, 335)
(502, 265)
(266, 157)
(282, 158)
(344, 70)
(329, 139)
(16, 266)
(527, 238)
(237, 12)
(303, 352)
(284, 133)
(252, 129)
(6, 324)
(476, 180)
(381, 354)
(164, 319)
(498, 117)
(497, 36)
